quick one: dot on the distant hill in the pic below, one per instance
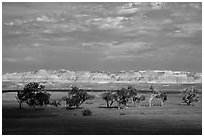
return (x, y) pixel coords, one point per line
(66, 76)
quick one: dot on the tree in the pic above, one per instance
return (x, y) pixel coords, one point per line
(108, 96)
(122, 97)
(133, 94)
(190, 96)
(133, 91)
(76, 97)
(161, 95)
(33, 94)
(138, 99)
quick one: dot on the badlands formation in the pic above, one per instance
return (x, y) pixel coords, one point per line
(66, 76)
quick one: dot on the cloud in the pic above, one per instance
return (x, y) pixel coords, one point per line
(126, 50)
(45, 18)
(120, 48)
(33, 19)
(136, 8)
(38, 45)
(9, 59)
(14, 60)
(109, 31)
(120, 23)
(19, 21)
(128, 8)
(108, 22)
(197, 5)
(150, 56)
(118, 57)
(190, 27)
(185, 30)
(48, 23)
(128, 11)
(186, 12)
(98, 45)
(166, 22)
(157, 5)
(46, 45)
(9, 23)
(29, 58)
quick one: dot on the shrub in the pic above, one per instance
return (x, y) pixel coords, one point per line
(34, 95)
(86, 112)
(122, 113)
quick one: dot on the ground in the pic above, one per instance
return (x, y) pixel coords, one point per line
(171, 119)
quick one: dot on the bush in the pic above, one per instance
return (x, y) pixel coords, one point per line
(34, 95)
(122, 113)
(86, 112)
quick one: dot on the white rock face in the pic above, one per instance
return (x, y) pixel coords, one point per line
(144, 76)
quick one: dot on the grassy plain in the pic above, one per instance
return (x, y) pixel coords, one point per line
(171, 119)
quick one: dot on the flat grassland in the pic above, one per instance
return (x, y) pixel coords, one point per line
(171, 119)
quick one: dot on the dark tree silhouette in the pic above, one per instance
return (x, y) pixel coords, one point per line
(76, 97)
(190, 96)
(33, 94)
(122, 97)
(108, 96)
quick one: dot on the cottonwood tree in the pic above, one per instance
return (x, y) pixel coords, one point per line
(76, 97)
(33, 94)
(161, 95)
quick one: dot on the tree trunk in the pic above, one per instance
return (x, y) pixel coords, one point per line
(77, 106)
(107, 104)
(111, 103)
(20, 105)
(162, 103)
(134, 104)
(33, 107)
(150, 101)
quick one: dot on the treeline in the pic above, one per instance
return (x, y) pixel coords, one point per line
(34, 94)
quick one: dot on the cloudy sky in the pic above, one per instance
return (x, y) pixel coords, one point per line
(101, 36)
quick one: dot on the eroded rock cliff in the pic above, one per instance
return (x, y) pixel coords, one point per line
(145, 76)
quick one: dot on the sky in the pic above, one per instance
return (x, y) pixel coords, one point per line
(101, 36)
